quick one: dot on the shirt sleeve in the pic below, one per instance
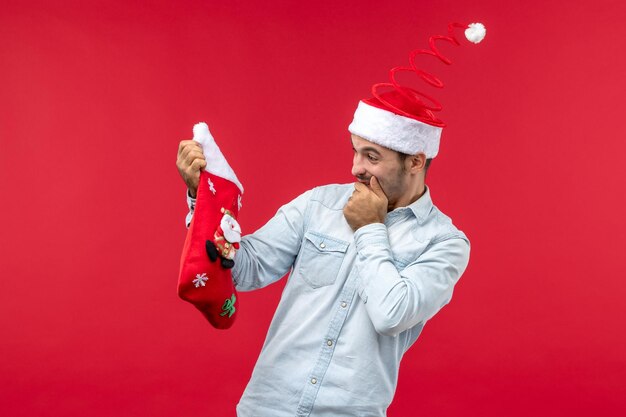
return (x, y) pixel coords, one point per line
(191, 203)
(396, 301)
(268, 254)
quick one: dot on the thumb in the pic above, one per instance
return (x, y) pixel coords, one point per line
(375, 186)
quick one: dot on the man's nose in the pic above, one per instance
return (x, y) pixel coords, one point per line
(357, 167)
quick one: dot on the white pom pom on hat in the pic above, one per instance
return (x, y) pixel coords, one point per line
(402, 119)
(475, 32)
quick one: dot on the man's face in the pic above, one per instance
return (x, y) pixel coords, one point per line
(386, 165)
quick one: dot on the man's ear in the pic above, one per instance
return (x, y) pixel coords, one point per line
(417, 163)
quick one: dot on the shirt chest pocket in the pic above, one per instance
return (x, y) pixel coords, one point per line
(321, 259)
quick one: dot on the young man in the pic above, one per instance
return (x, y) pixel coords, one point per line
(370, 263)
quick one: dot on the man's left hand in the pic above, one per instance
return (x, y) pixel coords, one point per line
(367, 205)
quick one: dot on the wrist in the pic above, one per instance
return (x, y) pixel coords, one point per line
(367, 223)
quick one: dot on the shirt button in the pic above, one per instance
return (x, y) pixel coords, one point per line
(322, 245)
(313, 381)
(329, 343)
(344, 304)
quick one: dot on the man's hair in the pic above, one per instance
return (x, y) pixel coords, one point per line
(404, 156)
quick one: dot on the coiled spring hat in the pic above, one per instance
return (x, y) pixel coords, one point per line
(402, 118)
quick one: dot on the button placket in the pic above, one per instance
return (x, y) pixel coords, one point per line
(316, 376)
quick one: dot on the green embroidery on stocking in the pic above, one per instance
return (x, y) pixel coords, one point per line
(229, 306)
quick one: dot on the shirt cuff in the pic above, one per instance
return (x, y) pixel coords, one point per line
(191, 203)
(371, 234)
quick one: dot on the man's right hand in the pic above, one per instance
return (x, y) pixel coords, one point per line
(190, 162)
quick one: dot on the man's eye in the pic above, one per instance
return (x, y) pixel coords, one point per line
(371, 157)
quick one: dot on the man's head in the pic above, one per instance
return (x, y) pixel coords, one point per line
(399, 120)
(401, 176)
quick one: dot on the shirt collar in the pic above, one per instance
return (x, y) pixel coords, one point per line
(420, 207)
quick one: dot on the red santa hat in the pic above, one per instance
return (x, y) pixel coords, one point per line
(402, 118)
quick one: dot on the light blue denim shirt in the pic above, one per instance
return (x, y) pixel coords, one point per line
(353, 304)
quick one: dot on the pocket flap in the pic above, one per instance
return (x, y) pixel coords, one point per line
(325, 243)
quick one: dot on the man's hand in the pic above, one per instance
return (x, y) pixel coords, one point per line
(189, 162)
(367, 205)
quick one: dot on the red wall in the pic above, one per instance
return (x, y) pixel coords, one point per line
(95, 97)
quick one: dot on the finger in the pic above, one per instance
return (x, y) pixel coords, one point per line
(185, 163)
(358, 187)
(192, 156)
(184, 151)
(183, 144)
(198, 164)
(190, 146)
(375, 186)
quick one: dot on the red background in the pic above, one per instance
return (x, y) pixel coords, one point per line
(95, 97)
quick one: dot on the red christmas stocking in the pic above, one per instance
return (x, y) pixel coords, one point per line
(212, 239)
